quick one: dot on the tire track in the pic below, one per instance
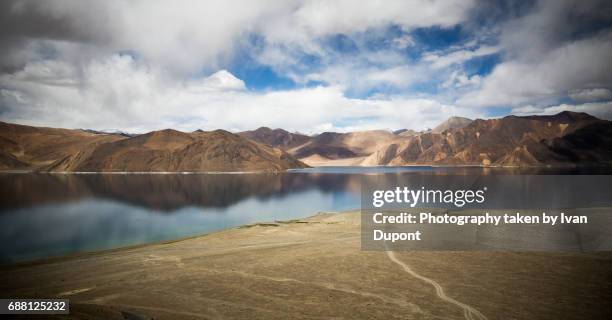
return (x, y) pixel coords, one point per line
(469, 312)
(325, 285)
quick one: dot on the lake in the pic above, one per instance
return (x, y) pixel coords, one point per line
(45, 215)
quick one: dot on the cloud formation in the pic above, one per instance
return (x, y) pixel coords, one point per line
(556, 49)
(121, 93)
(319, 65)
(599, 109)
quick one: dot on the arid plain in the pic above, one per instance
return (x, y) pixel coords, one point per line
(314, 269)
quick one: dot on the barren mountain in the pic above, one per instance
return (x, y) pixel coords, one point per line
(47, 149)
(278, 138)
(588, 145)
(406, 132)
(334, 146)
(26, 147)
(564, 139)
(451, 124)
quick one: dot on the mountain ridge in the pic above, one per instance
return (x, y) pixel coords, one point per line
(168, 150)
(279, 138)
(563, 139)
(508, 141)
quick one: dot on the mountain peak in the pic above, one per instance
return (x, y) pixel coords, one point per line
(222, 132)
(276, 137)
(268, 130)
(453, 122)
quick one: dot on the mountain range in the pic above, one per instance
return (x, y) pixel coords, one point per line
(564, 139)
(49, 149)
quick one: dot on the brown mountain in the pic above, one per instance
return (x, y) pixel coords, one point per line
(47, 149)
(405, 132)
(566, 138)
(563, 139)
(452, 123)
(26, 147)
(589, 145)
(334, 146)
(278, 138)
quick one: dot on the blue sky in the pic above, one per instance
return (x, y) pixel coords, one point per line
(261, 75)
(307, 66)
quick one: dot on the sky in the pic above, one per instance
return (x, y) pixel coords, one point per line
(306, 66)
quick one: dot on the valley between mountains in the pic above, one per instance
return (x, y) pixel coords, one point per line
(564, 139)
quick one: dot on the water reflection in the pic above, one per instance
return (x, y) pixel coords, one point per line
(169, 192)
(165, 192)
(44, 215)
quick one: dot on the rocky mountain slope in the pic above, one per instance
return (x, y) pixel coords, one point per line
(566, 138)
(278, 138)
(46, 149)
(563, 139)
(333, 145)
(452, 123)
(327, 146)
(26, 147)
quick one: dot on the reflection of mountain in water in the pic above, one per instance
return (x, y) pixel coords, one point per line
(168, 192)
(164, 191)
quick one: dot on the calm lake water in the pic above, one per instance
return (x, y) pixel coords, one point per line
(43, 215)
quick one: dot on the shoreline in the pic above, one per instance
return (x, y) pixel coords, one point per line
(305, 219)
(314, 267)
(76, 255)
(314, 168)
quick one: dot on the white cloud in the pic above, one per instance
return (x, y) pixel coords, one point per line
(121, 93)
(71, 70)
(444, 60)
(556, 48)
(319, 18)
(359, 77)
(64, 65)
(459, 79)
(526, 110)
(572, 65)
(404, 41)
(601, 110)
(222, 81)
(185, 36)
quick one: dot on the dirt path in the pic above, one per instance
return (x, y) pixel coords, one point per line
(469, 312)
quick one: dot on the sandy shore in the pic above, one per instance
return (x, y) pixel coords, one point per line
(314, 269)
(318, 161)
